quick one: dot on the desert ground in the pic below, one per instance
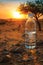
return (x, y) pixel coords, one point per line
(12, 44)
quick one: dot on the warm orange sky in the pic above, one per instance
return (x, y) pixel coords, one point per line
(6, 9)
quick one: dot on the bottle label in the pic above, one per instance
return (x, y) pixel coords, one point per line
(31, 38)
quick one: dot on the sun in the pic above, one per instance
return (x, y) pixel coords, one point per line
(17, 15)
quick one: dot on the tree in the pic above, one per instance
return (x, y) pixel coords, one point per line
(35, 8)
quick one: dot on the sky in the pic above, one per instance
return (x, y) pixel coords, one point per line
(7, 7)
(15, 0)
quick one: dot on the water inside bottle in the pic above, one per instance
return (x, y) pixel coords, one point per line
(30, 40)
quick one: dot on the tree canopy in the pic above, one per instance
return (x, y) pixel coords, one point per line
(36, 8)
(30, 6)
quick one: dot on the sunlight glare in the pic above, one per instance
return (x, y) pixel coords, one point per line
(17, 15)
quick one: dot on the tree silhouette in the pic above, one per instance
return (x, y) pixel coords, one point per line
(35, 8)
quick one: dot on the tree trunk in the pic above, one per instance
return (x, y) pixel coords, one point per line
(39, 25)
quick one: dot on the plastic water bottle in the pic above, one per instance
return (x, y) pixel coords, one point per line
(30, 33)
